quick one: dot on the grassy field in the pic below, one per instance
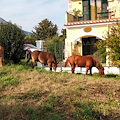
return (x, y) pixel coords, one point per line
(37, 94)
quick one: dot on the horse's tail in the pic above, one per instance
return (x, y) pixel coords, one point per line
(66, 62)
(55, 60)
(28, 56)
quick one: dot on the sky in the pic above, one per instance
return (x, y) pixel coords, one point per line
(28, 13)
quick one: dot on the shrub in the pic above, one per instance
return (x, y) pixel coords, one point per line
(11, 39)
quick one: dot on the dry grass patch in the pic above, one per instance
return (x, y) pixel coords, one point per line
(44, 95)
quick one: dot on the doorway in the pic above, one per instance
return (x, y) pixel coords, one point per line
(88, 45)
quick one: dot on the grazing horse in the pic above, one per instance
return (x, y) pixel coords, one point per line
(43, 57)
(1, 56)
(84, 61)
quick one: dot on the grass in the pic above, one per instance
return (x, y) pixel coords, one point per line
(37, 94)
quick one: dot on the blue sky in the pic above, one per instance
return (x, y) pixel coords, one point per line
(28, 13)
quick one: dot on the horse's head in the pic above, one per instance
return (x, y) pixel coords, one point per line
(100, 68)
(55, 65)
(101, 71)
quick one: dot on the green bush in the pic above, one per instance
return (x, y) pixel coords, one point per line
(12, 40)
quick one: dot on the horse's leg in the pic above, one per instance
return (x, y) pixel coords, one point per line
(50, 66)
(90, 70)
(33, 63)
(28, 56)
(73, 68)
(87, 68)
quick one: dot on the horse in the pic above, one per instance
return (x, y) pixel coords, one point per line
(1, 56)
(84, 61)
(43, 57)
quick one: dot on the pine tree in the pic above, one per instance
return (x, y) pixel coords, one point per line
(45, 29)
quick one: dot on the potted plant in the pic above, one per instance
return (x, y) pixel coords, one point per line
(76, 14)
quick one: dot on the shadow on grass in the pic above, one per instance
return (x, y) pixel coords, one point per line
(96, 75)
(111, 75)
(53, 111)
(117, 77)
(55, 108)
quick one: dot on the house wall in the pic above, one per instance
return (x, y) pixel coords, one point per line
(77, 5)
(70, 6)
(115, 7)
(76, 32)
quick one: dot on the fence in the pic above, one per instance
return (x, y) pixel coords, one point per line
(57, 49)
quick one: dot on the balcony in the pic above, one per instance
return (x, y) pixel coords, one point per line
(93, 15)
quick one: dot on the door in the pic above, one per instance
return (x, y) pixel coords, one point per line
(86, 9)
(86, 46)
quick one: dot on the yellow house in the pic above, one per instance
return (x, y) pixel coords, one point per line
(93, 20)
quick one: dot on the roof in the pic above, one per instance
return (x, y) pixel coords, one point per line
(91, 21)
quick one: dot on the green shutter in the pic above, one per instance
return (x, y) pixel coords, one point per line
(86, 12)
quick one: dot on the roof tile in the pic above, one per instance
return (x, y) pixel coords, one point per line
(91, 21)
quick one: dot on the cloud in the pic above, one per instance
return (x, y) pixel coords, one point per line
(28, 13)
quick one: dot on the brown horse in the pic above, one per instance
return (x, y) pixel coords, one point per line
(84, 61)
(1, 56)
(43, 57)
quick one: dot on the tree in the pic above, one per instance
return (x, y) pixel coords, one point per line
(11, 39)
(45, 29)
(111, 46)
(63, 35)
